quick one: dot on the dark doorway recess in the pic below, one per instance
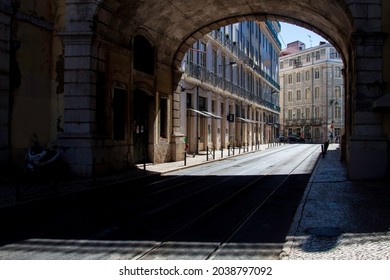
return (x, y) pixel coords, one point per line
(141, 106)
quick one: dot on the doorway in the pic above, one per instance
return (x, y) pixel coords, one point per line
(141, 105)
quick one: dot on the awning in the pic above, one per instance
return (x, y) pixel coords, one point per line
(199, 112)
(212, 115)
(205, 113)
(246, 120)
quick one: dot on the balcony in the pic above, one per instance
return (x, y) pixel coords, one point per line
(242, 56)
(201, 73)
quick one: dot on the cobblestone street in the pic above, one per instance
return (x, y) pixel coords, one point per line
(340, 219)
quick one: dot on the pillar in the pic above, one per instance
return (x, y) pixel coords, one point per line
(178, 136)
(79, 104)
(367, 147)
(5, 36)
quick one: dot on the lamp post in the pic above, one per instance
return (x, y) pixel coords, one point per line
(231, 63)
(333, 104)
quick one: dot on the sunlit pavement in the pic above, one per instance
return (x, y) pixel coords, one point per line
(339, 219)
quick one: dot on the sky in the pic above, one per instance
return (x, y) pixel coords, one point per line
(291, 33)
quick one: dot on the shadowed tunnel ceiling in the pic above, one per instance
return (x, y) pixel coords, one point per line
(173, 25)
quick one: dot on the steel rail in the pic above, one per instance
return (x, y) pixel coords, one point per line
(223, 202)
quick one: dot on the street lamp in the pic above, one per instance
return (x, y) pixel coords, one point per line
(231, 63)
(333, 103)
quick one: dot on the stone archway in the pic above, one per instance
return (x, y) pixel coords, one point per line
(352, 26)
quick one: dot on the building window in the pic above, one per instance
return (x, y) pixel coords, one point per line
(290, 79)
(189, 100)
(215, 61)
(316, 92)
(334, 54)
(202, 54)
(202, 103)
(290, 96)
(163, 117)
(337, 111)
(308, 75)
(307, 113)
(299, 95)
(143, 55)
(308, 58)
(290, 115)
(338, 72)
(316, 112)
(307, 93)
(237, 75)
(317, 73)
(298, 77)
(190, 58)
(298, 114)
(337, 92)
(223, 66)
(281, 65)
(318, 55)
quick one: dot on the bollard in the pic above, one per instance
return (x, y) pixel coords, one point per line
(185, 158)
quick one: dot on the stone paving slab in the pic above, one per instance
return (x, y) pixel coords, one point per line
(340, 219)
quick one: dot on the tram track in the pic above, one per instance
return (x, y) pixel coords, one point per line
(167, 212)
(143, 195)
(229, 199)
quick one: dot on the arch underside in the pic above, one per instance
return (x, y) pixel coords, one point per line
(175, 25)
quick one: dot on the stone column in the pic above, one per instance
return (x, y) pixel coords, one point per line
(80, 78)
(5, 36)
(367, 147)
(79, 103)
(177, 140)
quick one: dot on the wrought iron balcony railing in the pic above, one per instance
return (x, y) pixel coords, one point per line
(201, 73)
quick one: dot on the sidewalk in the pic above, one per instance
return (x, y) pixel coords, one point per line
(201, 158)
(339, 219)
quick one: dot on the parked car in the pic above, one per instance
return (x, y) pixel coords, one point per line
(283, 138)
(293, 138)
